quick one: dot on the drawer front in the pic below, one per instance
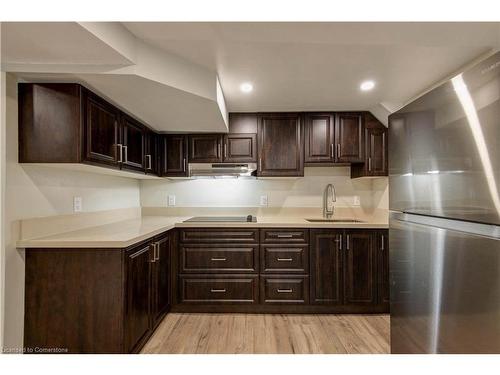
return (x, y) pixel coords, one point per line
(285, 258)
(284, 289)
(213, 235)
(218, 258)
(219, 290)
(285, 235)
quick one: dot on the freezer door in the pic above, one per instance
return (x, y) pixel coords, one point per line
(445, 290)
(444, 149)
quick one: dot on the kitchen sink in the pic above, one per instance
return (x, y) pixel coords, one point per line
(334, 220)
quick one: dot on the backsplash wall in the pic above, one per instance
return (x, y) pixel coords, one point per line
(300, 192)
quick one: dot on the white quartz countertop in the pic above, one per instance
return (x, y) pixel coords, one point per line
(125, 233)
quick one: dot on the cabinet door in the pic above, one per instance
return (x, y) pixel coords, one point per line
(376, 149)
(240, 148)
(280, 145)
(205, 148)
(173, 156)
(160, 279)
(319, 141)
(360, 267)
(383, 267)
(138, 285)
(133, 134)
(326, 266)
(101, 131)
(349, 138)
(151, 160)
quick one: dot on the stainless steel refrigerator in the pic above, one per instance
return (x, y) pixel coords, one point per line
(444, 184)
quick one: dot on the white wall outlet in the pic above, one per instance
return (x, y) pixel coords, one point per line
(77, 204)
(263, 200)
(356, 200)
(171, 200)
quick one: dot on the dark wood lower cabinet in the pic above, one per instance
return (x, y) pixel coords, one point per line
(336, 271)
(96, 300)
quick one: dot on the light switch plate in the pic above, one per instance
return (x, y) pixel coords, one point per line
(171, 200)
(263, 200)
(77, 204)
(356, 200)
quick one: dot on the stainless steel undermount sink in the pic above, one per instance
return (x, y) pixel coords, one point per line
(334, 220)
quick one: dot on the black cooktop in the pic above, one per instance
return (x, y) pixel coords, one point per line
(230, 219)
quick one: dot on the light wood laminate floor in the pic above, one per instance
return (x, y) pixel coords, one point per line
(270, 333)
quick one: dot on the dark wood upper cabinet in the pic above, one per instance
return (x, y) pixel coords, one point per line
(133, 136)
(173, 155)
(138, 291)
(376, 150)
(151, 157)
(205, 148)
(349, 138)
(326, 267)
(360, 282)
(240, 148)
(280, 145)
(319, 133)
(101, 131)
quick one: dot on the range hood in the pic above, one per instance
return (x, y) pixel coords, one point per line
(222, 170)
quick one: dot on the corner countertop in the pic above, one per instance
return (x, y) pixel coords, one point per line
(122, 234)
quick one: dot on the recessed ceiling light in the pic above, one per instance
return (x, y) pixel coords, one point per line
(246, 87)
(367, 85)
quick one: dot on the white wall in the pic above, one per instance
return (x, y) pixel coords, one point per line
(33, 191)
(301, 192)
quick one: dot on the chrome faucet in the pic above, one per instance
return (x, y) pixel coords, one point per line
(329, 196)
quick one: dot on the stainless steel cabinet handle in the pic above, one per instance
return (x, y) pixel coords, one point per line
(370, 164)
(284, 259)
(126, 154)
(260, 164)
(284, 290)
(284, 235)
(184, 165)
(382, 247)
(120, 149)
(218, 150)
(148, 160)
(158, 251)
(225, 150)
(347, 242)
(338, 150)
(153, 260)
(331, 150)
(218, 259)
(218, 290)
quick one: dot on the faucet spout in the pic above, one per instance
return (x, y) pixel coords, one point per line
(329, 197)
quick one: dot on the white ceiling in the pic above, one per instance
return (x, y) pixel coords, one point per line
(314, 66)
(166, 73)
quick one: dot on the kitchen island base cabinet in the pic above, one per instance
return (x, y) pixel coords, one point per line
(86, 300)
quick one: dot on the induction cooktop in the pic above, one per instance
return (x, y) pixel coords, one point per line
(230, 219)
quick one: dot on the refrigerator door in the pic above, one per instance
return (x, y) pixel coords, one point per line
(444, 149)
(445, 286)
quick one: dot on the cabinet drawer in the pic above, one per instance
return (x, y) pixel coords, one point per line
(285, 258)
(218, 258)
(214, 235)
(220, 289)
(285, 235)
(284, 289)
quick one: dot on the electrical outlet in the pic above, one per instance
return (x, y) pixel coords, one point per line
(171, 200)
(263, 200)
(77, 204)
(356, 200)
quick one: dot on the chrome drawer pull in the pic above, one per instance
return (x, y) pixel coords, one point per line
(285, 290)
(284, 259)
(285, 235)
(218, 290)
(218, 259)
